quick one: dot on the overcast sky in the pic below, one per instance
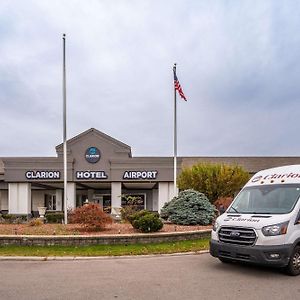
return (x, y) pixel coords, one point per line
(237, 61)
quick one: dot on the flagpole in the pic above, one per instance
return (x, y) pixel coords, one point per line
(65, 129)
(175, 137)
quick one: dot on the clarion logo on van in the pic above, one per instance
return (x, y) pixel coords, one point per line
(240, 219)
(276, 176)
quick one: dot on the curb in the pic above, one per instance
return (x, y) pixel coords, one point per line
(80, 258)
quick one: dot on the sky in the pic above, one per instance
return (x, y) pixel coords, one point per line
(238, 63)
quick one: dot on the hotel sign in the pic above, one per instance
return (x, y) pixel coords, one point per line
(84, 175)
(140, 175)
(44, 174)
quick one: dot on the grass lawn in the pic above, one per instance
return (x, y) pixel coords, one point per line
(106, 250)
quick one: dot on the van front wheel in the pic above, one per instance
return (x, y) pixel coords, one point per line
(293, 268)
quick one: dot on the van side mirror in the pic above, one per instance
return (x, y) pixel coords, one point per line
(297, 221)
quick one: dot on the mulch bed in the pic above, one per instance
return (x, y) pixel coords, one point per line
(75, 229)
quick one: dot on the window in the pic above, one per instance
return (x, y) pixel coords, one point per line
(104, 201)
(134, 199)
(81, 199)
(107, 203)
(50, 202)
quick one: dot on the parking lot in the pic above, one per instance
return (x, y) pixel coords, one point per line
(160, 277)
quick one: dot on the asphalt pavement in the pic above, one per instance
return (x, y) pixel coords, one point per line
(156, 277)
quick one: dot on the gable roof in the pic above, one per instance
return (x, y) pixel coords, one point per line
(110, 139)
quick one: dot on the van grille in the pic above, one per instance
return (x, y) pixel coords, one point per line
(237, 235)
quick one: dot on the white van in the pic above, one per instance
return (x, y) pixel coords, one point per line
(262, 224)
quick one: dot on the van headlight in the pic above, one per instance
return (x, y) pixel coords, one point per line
(276, 229)
(216, 226)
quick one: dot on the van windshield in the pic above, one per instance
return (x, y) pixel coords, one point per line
(268, 199)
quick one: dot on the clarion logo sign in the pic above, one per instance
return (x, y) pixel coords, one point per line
(140, 175)
(42, 174)
(276, 176)
(92, 155)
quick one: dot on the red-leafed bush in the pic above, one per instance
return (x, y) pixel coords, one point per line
(91, 216)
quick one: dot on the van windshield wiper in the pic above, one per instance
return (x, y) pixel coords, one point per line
(234, 209)
(258, 213)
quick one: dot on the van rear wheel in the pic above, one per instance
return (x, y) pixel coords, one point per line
(293, 268)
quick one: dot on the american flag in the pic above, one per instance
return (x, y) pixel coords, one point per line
(178, 86)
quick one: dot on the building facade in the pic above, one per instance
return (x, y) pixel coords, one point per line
(100, 169)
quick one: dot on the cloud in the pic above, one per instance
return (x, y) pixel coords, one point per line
(238, 63)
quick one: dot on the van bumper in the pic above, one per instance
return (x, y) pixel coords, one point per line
(277, 255)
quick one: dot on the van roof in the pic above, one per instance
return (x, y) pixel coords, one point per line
(280, 175)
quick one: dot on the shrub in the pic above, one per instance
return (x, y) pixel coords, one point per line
(146, 221)
(189, 208)
(213, 180)
(137, 215)
(15, 219)
(131, 207)
(223, 203)
(54, 217)
(36, 222)
(90, 216)
(126, 212)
